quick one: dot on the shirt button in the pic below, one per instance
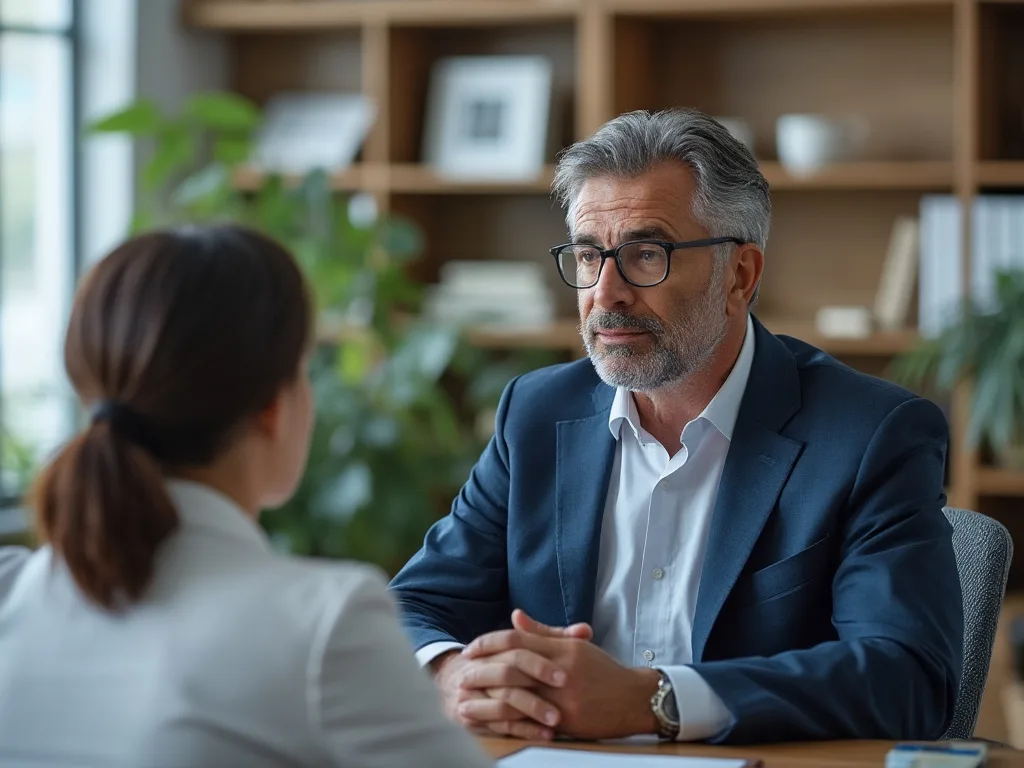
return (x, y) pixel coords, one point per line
(649, 655)
(657, 573)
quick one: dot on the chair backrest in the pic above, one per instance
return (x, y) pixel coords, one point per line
(983, 550)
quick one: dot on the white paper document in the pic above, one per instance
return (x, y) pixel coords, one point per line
(542, 757)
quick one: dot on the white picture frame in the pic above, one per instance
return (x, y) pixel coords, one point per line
(488, 117)
(302, 132)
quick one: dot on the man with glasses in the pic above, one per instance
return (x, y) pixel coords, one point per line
(702, 530)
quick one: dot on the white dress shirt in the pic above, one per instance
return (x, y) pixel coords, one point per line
(236, 656)
(653, 539)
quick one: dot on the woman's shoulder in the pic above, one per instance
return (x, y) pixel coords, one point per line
(12, 561)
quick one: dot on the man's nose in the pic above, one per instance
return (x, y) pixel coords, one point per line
(612, 289)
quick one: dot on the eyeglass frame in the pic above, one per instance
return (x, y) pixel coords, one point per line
(609, 253)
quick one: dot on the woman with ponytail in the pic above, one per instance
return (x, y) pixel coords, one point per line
(156, 626)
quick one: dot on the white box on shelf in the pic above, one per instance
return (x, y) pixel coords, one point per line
(844, 322)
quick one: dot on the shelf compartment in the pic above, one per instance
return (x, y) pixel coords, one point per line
(414, 50)
(1001, 81)
(895, 70)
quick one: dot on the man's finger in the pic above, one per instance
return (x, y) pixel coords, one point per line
(529, 703)
(518, 669)
(487, 710)
(523, 622)
(509, 639)
(522, 729)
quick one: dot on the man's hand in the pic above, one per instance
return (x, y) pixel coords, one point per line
(500, 688)
(599, 699)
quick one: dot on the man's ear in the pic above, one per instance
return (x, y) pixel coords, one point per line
(747, 268)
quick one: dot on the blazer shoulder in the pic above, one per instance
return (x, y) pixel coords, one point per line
(828, 381)
(563, 391)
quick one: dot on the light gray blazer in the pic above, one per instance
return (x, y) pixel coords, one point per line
(237, 656)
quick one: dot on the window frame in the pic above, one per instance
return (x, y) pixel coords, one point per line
(12, 519)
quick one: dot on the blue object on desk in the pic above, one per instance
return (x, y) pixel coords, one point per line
(967, 754)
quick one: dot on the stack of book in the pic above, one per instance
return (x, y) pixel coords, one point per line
(504, 295)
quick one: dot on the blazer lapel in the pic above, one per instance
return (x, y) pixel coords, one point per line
(586, 454)
(756, 468)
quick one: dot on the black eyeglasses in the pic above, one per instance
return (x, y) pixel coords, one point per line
(642, 263)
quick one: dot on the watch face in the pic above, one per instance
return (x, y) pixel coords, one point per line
(671, 710)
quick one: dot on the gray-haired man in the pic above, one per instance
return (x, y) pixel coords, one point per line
(704, 530)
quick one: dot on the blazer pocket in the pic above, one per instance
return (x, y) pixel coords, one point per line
(783, 576)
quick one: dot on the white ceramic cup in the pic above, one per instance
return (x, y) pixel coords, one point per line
(805, 143)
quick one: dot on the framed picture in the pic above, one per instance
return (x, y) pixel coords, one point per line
(488, 117)
(308, 131)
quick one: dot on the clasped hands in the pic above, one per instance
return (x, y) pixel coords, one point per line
(535, 681)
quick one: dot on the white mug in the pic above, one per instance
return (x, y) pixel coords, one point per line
(807, 142)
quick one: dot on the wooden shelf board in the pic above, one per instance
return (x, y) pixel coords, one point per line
(419, 179)
(318, 15)
(1001, 173)
(994, 481)
(408, 179)
(880, 344)
(412, 178)
(864, 175)
(352, 179)
(760, 7)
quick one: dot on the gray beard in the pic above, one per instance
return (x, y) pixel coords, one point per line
(672, 353)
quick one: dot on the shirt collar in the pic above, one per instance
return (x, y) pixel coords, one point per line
(200, 506)
(721, 412)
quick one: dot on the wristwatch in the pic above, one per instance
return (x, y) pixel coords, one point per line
(665, 709)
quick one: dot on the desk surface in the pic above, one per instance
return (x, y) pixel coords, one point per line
(835, 754)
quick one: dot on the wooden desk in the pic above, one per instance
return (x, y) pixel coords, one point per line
(830, 754)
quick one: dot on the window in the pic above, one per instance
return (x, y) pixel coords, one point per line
(37, 229)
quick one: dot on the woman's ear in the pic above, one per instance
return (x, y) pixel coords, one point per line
(268, 421)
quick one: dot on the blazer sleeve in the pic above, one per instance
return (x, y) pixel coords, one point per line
(370, 702)
(456, 587)
(897, 609)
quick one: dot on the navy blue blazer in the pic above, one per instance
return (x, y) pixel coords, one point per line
(829, 603)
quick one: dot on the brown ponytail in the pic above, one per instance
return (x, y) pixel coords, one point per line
(122, 513)
(175, 338)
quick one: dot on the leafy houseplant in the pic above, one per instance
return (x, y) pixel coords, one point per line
(391, 445)
(983, 346)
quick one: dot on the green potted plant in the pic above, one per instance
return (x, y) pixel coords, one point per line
(983, 346)
(391, 444)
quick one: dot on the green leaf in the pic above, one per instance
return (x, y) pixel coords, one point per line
(141, 118)
(223, 111)
(232, 150)
(174, 150)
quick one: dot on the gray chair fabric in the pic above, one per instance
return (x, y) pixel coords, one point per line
(983, 550)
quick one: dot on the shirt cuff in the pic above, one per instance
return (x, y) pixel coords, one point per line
(702, 714)
(428, 653)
